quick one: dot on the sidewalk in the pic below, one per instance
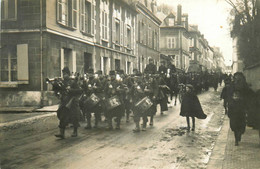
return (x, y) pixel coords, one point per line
(10, 118)
(226, 155)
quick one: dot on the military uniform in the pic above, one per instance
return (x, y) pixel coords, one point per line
(69, 111)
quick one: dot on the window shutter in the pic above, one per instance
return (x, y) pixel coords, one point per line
(93, 18)
(59, 10)
(121, 32)
(126, 70)
(3, 9)
(114, 30)
(82, 15)
(74, 61)
(22, 62)
(61, 60)
(74, 13)
(125, 33)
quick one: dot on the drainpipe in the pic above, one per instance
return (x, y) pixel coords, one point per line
(41, 50)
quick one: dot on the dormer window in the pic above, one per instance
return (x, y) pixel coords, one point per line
(171, 21)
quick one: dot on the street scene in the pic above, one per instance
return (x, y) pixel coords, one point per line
(144, 84)
(167, 144)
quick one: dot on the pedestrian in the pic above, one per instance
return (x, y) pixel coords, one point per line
(150, 68)
(69, 111)
(237, 115)
(191, 107)
(226, 94)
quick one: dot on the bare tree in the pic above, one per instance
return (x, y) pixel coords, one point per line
(245, 19)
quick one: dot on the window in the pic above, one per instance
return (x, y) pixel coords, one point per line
(171, 21)
(9, 64)
(117, 10)
(85, 16)
(67, 12)
(117, 64)
(117, 31)
(170, 42)
(104, 25)
(9, 9)
(128, 37)
(68, 58)
(14, 64)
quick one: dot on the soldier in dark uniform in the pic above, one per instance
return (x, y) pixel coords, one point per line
(69, 111)
(162, 94)
(162, 68)
(150, 68)
(113, 89)
(92, 90)
(151, 89)
(137, 93)
(128, 82)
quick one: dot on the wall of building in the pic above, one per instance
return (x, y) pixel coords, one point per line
(253, 77)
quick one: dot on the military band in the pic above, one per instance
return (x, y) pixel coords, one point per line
(119, 95)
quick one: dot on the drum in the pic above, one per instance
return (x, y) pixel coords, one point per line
(112, 102)
(143, 105)
(92, 101)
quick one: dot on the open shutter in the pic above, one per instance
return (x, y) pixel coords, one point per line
(82, 15)
(74, 13)
(74, 61)
(22, 62)
(59, 10)
(93, 17)
(121, 32)
(113, 30)
(61, 60)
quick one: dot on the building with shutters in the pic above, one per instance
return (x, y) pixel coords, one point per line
(40, 37)
(147, 33)
(175, 39)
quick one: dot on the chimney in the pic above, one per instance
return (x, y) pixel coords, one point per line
(179, 15)
(186, 21)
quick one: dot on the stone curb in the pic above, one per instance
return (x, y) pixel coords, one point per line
(218, 153)
(24, 122)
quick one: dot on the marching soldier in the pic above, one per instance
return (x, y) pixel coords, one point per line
(151, 90)
(137, 95)
(114, 104)
(150, 68)
(92, 90)
(68, 111)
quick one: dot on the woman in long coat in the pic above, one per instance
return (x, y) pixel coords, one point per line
(237, 115)
(190, 107)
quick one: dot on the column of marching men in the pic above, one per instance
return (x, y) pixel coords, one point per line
(119, 95)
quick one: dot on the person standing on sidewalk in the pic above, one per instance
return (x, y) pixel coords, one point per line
(191, 107)
(237, 115)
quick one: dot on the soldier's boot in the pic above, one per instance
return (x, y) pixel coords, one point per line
(137, 128)
(61, 134)
(88, 124)
(151, 121)
(75, 132)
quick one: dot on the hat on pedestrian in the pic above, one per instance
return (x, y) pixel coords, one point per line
(112, 72)
(99, 72)
(90, 71)
(66, 70)
(189, 86)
